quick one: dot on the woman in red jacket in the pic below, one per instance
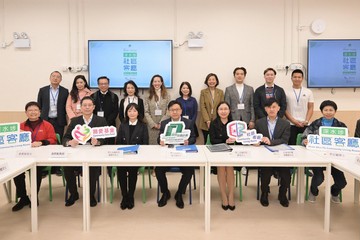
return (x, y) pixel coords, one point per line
(42, 134)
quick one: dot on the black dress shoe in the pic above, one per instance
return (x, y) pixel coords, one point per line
(179, 200)
(124, 203)
(93, 201)
(232, 208)
(163, 200)
(225, 207)
(131, 203)
(71, 200)
(264, 199)
(283, 201)
(22, 203)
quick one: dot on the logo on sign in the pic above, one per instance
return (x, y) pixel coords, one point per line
(238, 130)
(83, 133)
(175, 133)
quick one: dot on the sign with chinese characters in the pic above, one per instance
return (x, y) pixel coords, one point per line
(238, 130)
(175, 133)
(10, 136)
(333, 138)
(83, 133)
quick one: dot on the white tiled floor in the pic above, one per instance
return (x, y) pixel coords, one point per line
(249, 220)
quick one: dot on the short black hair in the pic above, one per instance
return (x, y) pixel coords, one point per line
(209, 76)
(103, 77)
(297, 71)
(87, 98)
(172, 103)
(269, 69)
(188, 85)
(328, 103)
(32, 103)
(240, 68)
(270, 102)
(135, 86)
(217, 109)
(137, 108)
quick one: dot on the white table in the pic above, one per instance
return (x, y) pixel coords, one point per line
(262, 157)
(16, 166)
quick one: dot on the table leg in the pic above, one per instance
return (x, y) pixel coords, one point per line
(300, 189)
(103, 184)
(34, 210)
(86, 198)
(207, 197)
(201, 183)
(327, 199)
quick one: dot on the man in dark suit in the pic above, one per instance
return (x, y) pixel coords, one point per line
(90, 119)
(269, 90)
(52, 101)
(175, 110)
(275, 131)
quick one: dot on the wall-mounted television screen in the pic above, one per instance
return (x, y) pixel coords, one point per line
(124, 60)
(334, 63)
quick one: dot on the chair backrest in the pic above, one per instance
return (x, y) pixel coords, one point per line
(208, 142)
(298, 139)
(58, 139)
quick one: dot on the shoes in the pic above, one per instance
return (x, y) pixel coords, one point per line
(335, 199)
(131, 203)
(22, 203)
(58, 172)
(163, 200)
(232, 208)
(93, 201)
(179, 200)
(71, 200)
(124, 203)
(264, 199)
(225, 207)
(243, 171)
(312, 197)
(283, 201)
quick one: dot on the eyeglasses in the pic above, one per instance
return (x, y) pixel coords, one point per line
(175, 110)
(103, 84)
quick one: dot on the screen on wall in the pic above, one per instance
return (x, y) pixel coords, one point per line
(124, 60)
(333, 63)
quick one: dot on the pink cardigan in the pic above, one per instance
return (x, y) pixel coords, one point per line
(71, 110)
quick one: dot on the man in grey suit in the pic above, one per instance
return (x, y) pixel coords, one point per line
(240, 98)
(52, 100)
(275, 131)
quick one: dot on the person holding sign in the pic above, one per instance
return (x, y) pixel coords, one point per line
(80, 89)
(155, 107)
(225, 175)
(275, 131)
(328, 109)
(42, 134)
(131, 131)
(91, 120)
(175, 110)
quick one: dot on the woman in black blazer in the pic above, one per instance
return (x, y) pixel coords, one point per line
(131, 131)
(131, 95)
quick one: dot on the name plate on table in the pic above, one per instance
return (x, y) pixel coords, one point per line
(24, 154)
(177, 154)
(115, 154)
(58, 154)
(338, 155)
(287, 154)
(3, 167)
(240, 154)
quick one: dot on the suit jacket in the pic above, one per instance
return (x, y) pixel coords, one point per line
(44, 102)
(206, 106)
(121, 109)
(281, 131)
(95, 122)
(188, 125)
(140, 136)
(150, 107)
(260, 99)
(110, 108)
(232, 97)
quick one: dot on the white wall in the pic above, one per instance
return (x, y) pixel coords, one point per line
(255, 34)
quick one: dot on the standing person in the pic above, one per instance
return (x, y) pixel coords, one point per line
(189, 104)
(42, 134)
(155, 107)
(300, 105)
(269, 90)
(275, 131)
(240, 98)
(225, 175)
(328, 109)
(131, 131)
(79, 90)
(175, 110)
(87, 108)
(209, 100)
(106, 103)
(52, 102)
(131, 95)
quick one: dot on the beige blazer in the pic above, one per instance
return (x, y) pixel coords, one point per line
(207, 108)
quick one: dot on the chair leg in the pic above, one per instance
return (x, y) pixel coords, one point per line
(111, 186)
(240, 186)
(194, 180)
(293, 175)
(50, 185)
(307, 186)
(340, 195)
(258, 185)
(143, 186)
(62, 175)
(246, 177)
(236, 178)
(149, 171)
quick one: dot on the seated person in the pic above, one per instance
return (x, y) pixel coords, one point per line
(87, 107)
(175, 110)
(328, 109)
(131, 131)
(42, 134)
(225, 175)
(275, 131)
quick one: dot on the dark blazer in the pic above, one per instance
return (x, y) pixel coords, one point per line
(232, 97)
(188, 125)
(281, 131)
(140, 135)
(110, 110)
(260, 99)
(95, 122)
(121, 109)
(44, 102)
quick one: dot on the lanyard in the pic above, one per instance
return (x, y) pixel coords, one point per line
(297, 96)
(242, 95)
(157, 103)
(33, 136)
(54, 97)
(184, 107)
(271, 130)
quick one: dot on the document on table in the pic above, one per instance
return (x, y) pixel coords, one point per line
(277, 148)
